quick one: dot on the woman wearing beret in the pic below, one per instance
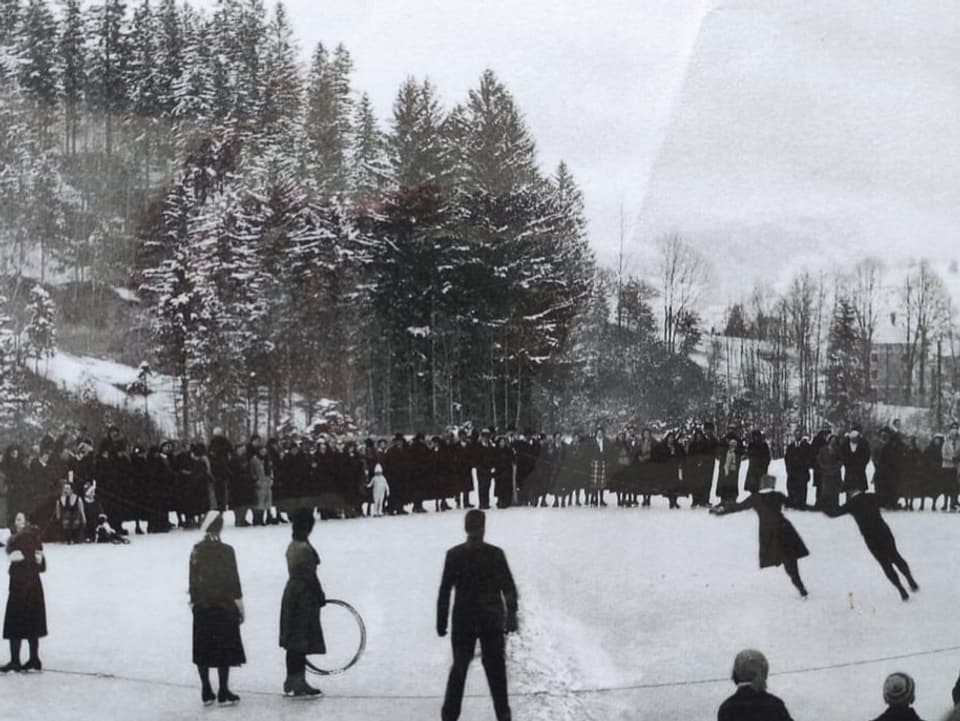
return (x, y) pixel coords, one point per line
(26, 614)
(217, 603)
(303, 596)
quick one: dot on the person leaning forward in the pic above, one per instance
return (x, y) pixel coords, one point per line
(484, 609)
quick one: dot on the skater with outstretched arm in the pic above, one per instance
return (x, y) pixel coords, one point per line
(877, 534)
(484, 609)
(779, 541)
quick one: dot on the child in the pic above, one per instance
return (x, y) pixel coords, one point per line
(105, 533)
(69, 514)
(898, 694)
(751, 700)
(381, 489)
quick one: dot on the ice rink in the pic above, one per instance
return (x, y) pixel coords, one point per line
(652, 599)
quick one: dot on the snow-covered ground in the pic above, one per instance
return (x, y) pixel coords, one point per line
(609, 598)
(102, 377)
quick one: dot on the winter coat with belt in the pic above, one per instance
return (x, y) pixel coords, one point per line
(303, 597)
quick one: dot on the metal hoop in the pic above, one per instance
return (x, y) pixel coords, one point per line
(356, 657)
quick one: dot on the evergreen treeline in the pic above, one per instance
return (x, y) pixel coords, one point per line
(291, 246)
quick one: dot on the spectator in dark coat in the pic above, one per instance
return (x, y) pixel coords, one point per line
(217, 603)
(751, 702)
(886, 470)
(855, 455)
(701, 459)
(879, 538)
(303, 597)
(220, 452)
(758, 461)
(930, 485)
(18, 480)
(779, 541)
(899, 692)
(799, 460)
(26, 613)
(830, 463)
(485, 608)
(816, 445)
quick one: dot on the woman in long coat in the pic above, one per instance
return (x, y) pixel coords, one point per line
(303, 597)
(758, 461)
(779, 541)
(217, 603)
(830, 461)
(26, 614)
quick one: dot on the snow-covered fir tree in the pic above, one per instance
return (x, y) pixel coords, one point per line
(843, 393)
(41, 330)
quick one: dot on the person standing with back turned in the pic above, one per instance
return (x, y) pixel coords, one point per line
(485, 608)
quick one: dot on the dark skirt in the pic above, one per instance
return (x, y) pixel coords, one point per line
(216, 637)
(26, 614)
(300, 628)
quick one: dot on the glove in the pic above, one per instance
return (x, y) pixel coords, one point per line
(512, 625)
(16, 556)
(239, 602)
(441, 631)
(322, 598)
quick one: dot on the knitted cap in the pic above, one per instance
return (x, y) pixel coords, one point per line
(212, 523)
(898, 689)
(750, 666)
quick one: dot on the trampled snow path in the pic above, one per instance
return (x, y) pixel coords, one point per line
(609, 598)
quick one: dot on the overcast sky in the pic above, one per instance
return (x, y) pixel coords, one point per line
(823, 130)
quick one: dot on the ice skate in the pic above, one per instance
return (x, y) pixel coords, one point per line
(227, 698)
(207, 696)
(32, 664)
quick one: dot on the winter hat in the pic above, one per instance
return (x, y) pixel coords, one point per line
(750, 666)
(898, 689)
(212, 523)
(768, 481)
(378, 468)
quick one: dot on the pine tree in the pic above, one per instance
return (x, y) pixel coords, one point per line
(41, 329)
(328, 122)
(11, 397)
(370, 168)
(38, 71)
(417, 146)
(844, 375)
(143, 80)
(109, 60)
(72, 71)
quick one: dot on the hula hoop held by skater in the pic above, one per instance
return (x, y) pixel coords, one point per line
(780, 544)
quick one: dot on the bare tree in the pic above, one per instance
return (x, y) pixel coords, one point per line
(867, 288)
(801, 308)
(927, 314)
(683, 276)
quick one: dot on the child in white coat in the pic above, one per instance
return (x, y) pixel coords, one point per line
(381, 489)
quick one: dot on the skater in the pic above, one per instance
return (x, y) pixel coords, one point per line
(485, 608)
(877, 534)
(899, 691)
(779, 541)
(381, 489)
(217, 603)
(26, 614)
(303, 597)
(751, 702)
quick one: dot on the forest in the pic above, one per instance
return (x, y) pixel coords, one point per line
(287, 246)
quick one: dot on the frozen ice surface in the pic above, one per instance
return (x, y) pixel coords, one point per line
(609, 598)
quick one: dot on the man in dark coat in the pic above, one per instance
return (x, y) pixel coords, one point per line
(396, 467)
(877, 534)
(855, 454)
(818, 442)
(485, 608)
(886, 473)
(220, 451)
(799, 460)
(484, 460)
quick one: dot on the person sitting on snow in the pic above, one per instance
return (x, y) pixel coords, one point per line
(105, 532)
